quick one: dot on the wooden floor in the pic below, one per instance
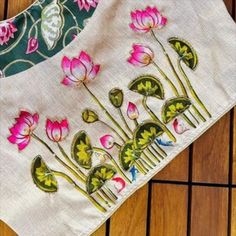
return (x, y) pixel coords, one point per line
(194, 195)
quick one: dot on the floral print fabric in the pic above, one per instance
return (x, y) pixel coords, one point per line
(40, 32)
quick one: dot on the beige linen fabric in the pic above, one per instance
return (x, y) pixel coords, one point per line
(108, 39)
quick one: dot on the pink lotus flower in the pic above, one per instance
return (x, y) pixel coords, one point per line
(57, 131)
(132, 111)
(107, 141)
(22, 130)
(86, 4)
(32, 45)
(141, 55)
(145, 20)
(79, 69)
(7, 30)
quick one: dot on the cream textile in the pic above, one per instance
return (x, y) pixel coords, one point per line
(108, 39)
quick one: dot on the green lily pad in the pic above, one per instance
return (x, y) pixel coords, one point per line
(98, 176)
(147, 85)
(89, 116)
(81, 150)
(116, 97)
(174, 107)
(129, 154)
(185, 51)
(42, 176)
(146, 133)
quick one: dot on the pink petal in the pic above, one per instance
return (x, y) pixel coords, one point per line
(65, 65)
(78, 69)
(132, 61)
(32, 45)
(64, 128)
(49, 127)
(56, 133)
(36, 118)
(86, 60)
(107, 141)
(68, 82)
(94, 72)
(23, 144)
(132, 111)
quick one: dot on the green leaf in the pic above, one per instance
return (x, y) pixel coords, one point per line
(52, 22)
(81, 150)
(174, 107)
(42, 176)
(185, 51)
(98, 176)
(129, 154)
(89, 116)
(147, 85)
(116, 97)
(146, 133)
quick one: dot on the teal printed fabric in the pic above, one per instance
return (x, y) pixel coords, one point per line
(39, 32)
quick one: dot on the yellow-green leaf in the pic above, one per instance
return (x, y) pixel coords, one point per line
(129, 154)
(81, 150)
(147, 85)
(89, 116)
(42, 176)
(146, 133)
(98, 176)
(116, 97)
(174, 107)
(185, 51)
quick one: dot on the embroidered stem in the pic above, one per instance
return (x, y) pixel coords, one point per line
(154, 117)
(142, 165)
(104, 123)
(146, 157)
(145, 162)
(149, 151)
(166, 78)
(154, 150)
(188, 121)
(107, 197)
(191, 114)
(124, 121)
(110, 192)
(58, 158)
(160, 149)
(83, 176)
(152, 155)
(140, 169)
(96, 149)
(70, 162)
(192, 91)
(106, 112)
(71, 181)
(183, 89)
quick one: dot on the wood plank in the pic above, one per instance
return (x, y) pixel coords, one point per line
(2, 7)
(209, 211)
(234, 146)
(101, 231)
(233, 213)
(131, 217)
(168, 210)
(229, 5)
(6, 230)
(211, 153)
(16, 6)
(177, 169)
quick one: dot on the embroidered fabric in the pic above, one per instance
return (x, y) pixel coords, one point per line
(40, 31)
(83, 130)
